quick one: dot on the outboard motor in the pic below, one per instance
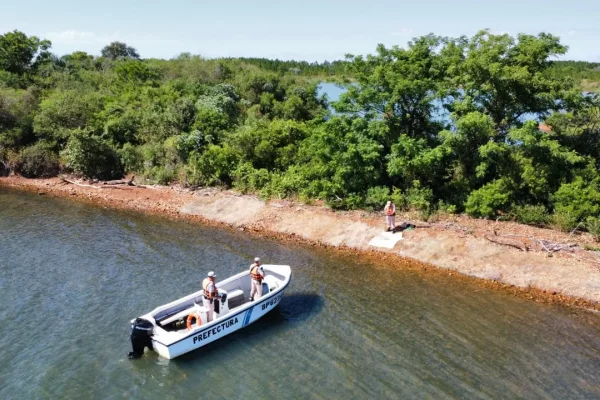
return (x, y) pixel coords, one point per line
(141, 332)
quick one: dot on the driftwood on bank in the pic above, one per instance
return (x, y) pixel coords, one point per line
(552, 247)
(506, 241)
(546, 245)
(119, 184)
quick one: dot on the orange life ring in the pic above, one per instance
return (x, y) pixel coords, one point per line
(191, 317)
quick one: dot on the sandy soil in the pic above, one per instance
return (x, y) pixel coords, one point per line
(451, 244)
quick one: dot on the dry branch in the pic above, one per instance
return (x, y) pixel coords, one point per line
(121, 182)
(506, 242)
(80, 184)
(105, 185)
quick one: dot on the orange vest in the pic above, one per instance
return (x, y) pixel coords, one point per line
(254, 273)
(208, 294)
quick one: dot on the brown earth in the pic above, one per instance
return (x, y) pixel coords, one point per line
(452, 244)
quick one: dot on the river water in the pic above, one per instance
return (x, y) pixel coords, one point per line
(73, 275)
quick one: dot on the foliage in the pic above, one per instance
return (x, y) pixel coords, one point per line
(38, 161)
(489, 200)
(20, 54)
(248, 179)
(91, 157)
(418, 198)
(592, 224)
(579, 199)
(376, 196)
(441, 124)
(132, 158)
(212, 167)
(564, 220)
(585, 74)
(530, 214)
(64, 112)
(119, 50)
(504, 77)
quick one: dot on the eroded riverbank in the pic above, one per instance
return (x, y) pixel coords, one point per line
(453, 245)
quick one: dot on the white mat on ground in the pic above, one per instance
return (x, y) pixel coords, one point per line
(386, 239)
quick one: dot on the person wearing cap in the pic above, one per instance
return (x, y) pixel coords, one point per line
(257, 274)
(210, 294)
(390, 216)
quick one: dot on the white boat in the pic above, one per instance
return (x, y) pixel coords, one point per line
(167, 331)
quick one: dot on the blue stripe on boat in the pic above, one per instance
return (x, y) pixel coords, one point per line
(247, 317)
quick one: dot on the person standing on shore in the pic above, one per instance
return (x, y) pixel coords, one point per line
(257, 274)
(390, 216)
(210, 294)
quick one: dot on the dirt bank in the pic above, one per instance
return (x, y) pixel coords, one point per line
(452, 243)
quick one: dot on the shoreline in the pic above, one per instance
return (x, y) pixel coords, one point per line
(453, 245)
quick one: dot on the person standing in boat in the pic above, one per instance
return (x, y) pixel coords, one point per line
(390, 216)
(257, 274)
(210, 294)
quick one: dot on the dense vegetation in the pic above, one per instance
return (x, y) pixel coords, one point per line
(585, 74)
(437, 126)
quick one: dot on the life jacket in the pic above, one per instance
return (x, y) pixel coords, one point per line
(390, 210)
(254, 273)
(208, 294)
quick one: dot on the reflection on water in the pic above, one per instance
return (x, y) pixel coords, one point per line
(73, 276)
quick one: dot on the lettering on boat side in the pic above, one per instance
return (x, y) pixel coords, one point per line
(272, 302)
(217, 329)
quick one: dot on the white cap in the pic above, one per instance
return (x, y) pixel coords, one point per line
(256, 259)
(389, 202)
(211, 274)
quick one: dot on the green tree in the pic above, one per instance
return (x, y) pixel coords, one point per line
(119, 50)
(339, 162)
(136, 73)
(63, 112)
(396, 85)
(20, 54)
(506, 78)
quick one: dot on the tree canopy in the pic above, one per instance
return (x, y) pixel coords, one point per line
(442, 124)
(119, 50)
(20, 54)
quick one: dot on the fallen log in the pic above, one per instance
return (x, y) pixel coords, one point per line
(80, 184)
(114, 186)
(121, 182)
(507, 242)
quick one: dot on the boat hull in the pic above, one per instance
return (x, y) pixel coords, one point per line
(208, 333)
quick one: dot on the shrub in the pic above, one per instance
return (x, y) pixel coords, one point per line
(564, 220)
(248, 179)
(38, 161)
(446, 208)
(418, 198)
(131, 158)
(579, 199)
(164, 175)
(91, 157)
(377, 197)
(214, 166)
(353, 201)
(530, 214)
(188, 142)
(489, 199)
(592, 224)
(9, 160)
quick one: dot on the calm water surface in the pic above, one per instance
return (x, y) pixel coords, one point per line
(72, 276)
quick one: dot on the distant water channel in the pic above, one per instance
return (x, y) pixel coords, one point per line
(73, 275)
